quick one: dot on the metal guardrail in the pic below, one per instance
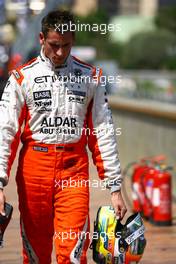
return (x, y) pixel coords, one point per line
(154, 109)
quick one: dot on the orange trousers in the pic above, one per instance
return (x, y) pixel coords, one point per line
(53, 189)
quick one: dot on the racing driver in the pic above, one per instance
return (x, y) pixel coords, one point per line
(62, 107)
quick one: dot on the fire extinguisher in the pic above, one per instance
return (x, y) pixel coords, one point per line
(139, 171)
(162, 197)
(138, 195)
(142, 184)
(151, 189)
(147, 183)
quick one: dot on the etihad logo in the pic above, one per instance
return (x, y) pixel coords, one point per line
(46, 78)
(64, 78)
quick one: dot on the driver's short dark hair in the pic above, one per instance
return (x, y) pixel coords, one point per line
(55, 18)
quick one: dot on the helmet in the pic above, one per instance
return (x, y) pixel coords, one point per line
(114, 242)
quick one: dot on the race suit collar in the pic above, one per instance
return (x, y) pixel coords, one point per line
(64, 67)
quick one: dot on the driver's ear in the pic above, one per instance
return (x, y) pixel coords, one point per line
(41, 38)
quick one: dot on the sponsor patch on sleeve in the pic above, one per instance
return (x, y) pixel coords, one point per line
(18, 76)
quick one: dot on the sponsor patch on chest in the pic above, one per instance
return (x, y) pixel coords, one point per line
(40, 95)
(76, 96)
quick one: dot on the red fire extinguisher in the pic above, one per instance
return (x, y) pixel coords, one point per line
(162, 198)
(151, 189)
(138, 196)
(148, 183)
(142, 184)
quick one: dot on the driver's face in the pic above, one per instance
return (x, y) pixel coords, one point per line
(57, 46)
